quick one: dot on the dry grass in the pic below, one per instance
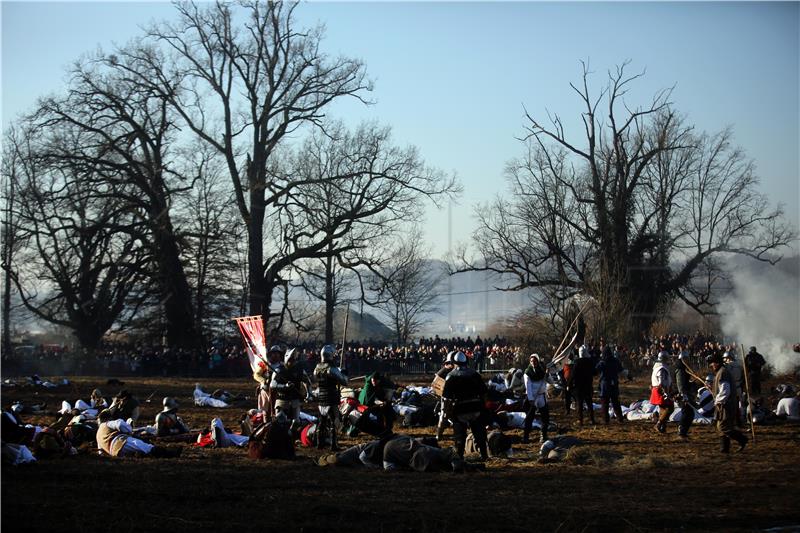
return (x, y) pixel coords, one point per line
(624, 478)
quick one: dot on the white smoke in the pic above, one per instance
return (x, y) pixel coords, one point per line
(763, 310)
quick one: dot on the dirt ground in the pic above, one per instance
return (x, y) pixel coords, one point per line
(632, 479)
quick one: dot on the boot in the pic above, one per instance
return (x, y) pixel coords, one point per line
(724, 444)
(525, 435)
(543, 437)
(334, 439)
(742, 440)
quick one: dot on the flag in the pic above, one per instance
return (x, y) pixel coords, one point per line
(252, 330)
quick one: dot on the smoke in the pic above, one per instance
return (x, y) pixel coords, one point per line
(763, 310)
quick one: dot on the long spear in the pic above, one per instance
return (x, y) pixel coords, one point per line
(557, 354)
(692, 374)
(344, 336)
(747, 387)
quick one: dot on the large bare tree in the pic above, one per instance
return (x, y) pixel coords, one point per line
(243, 77)
(81, 263)
(637, 211)
(128, 138)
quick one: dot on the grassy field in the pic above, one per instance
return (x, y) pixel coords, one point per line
(630, 478)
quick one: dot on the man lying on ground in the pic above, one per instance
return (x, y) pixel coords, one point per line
(114, 437)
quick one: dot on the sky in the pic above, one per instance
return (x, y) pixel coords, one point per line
(454, 78)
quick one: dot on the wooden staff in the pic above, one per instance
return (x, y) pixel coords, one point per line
(580, 311)
(692, 374)
(747, 388)
(344, 336)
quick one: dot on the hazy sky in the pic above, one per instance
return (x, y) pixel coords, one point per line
(452, 78)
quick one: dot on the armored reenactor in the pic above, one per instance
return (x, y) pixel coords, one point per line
(287, 386)
(447, 367)
(463, 397)
(167, 421)
(263, 376)
(329, 378)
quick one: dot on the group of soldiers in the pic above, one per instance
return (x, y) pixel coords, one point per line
(284, 384)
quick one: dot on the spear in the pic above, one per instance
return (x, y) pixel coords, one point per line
(344, 336)
(747, 388)
(557, 354)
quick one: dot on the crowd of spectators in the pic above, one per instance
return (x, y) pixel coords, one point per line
(227, 357)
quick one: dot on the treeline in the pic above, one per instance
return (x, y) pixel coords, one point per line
(193, 175)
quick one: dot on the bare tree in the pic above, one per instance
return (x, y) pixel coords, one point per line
(128, 138)
(630, 213)
(361, 190)
(242, 80)
(79, 266)
(408, 288)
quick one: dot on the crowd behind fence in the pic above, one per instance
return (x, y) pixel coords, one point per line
(227, 357)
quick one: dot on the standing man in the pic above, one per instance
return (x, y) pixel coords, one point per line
(755, 362)
(725, 405)
(287, 386)
(463, 396)
(536, 397)
(736, 372)
(568, 380)
(682, 381)
(583, 379)
(263, 376)
(329, 378)
(609, 369)
(661, 385)
(447, 367)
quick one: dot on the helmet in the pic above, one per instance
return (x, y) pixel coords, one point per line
(275, 348)
(289, 357)
(535, 356)
(169, 403)
(729, 356)
(753, 349)
(459, 358)
(449, 357)
(327, 352)
(710, 378)
(583, 351)
(547, 446)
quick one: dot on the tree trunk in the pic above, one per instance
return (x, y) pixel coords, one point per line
(8, 244)
(329, 300)
(258, 298)
(174, 287)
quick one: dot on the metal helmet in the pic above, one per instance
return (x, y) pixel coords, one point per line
(327, 352)
(710, 378)
(546, 448)
(170, 403)
(729, 355)
(275, 348)
(449, 357)
(459, 358)
(583, 352)
(289, 357)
